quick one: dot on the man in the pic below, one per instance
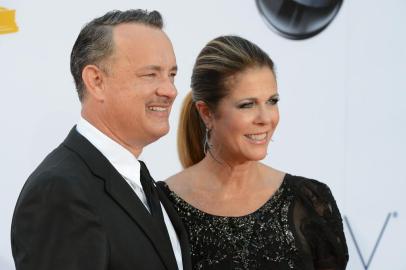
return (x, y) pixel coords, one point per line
(91, 204)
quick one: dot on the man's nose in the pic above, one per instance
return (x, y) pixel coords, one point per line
(167, 89)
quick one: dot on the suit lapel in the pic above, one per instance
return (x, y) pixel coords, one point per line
(122, 194)
(130, 202)
(179, 228)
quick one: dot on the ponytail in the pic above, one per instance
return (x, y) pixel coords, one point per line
(190, 134)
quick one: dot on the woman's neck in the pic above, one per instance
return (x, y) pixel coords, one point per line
(229, 176)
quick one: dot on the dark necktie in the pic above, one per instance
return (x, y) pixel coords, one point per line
(152, 197)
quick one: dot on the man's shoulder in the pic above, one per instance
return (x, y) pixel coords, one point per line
(60, 167)
(60, 159)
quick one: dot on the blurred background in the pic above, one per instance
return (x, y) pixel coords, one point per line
(341, 77)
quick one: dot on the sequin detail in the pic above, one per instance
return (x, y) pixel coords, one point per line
(258, 240)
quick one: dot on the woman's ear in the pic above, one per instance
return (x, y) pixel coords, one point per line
(205, 113)
(93, 79)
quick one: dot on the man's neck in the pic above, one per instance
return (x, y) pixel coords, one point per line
(103, 127)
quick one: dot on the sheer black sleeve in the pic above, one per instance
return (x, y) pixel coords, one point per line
(318, 225)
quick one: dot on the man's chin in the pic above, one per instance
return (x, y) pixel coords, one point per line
(158, 133)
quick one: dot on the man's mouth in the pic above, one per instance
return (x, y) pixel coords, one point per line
(158, 108)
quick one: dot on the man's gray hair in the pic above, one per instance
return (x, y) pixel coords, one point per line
(95, 41)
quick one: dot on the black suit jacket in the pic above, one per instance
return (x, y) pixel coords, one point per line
(77, 212)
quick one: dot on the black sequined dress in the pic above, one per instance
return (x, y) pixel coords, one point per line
(299, 227)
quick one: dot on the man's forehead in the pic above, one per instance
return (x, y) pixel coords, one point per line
(133, 36)
(143, 45)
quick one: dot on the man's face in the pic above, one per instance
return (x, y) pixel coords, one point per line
(139, 85)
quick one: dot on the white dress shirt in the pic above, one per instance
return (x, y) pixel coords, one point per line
(129, 168)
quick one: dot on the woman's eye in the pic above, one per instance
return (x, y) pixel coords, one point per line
(246, 105)
(273, 101)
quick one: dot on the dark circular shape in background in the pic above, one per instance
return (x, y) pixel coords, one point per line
(298, 19)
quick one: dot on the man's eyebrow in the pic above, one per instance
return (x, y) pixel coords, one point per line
(158, 68)
(174, 68)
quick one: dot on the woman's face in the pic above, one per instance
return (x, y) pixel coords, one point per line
(245, 120)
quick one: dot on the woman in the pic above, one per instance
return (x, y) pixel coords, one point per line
(240, 213)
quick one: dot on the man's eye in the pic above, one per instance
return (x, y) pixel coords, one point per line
(150, 75)
(172, 76)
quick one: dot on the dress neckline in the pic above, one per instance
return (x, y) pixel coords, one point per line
(271, 199)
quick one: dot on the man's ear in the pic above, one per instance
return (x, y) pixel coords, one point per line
(93, 78)
(205, 113)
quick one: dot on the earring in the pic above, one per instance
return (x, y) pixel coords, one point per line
(206, 143)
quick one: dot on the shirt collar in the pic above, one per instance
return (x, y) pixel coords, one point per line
(121, 159)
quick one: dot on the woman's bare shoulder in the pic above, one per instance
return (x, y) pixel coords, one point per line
(273, 175)
(180, 182)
